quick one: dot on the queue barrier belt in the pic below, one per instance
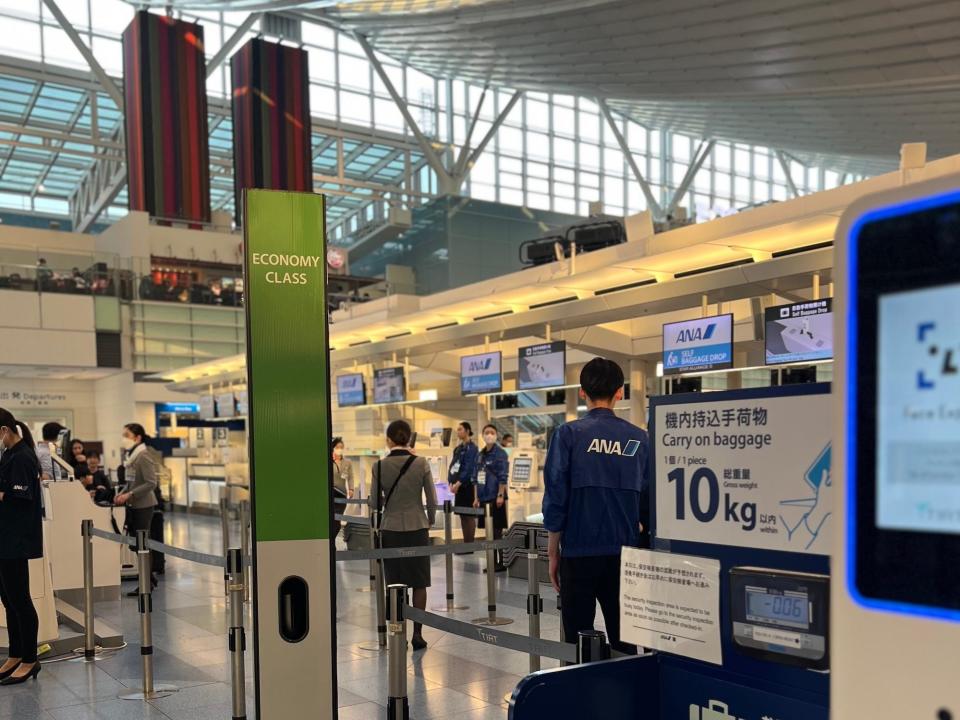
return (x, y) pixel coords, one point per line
(564, 652)
(458, 509)
(424, 550)
(182, 553)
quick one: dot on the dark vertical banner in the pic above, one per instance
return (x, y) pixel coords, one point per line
(288, 386)
(165, 115)
(271, 118)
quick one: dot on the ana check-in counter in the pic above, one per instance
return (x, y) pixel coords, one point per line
(69, 504)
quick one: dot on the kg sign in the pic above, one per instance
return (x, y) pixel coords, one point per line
(749, 469)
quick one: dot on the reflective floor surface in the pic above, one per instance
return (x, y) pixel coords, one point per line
(453, 678)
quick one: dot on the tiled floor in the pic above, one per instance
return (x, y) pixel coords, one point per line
(454, 678)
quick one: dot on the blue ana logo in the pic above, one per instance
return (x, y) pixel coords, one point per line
(479, 365)
(612, 447)
(948, 366)
(694, 334)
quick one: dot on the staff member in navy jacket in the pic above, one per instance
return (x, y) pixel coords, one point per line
(493, 468)
(595, 483)
(462, 478)
(21, 540)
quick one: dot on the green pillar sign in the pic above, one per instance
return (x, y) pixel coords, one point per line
(289, 425)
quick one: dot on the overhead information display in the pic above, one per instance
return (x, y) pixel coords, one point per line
(481, 373)
(542, 366)
(351, 390)
(799, 333)
(389, 385)
(698, 345)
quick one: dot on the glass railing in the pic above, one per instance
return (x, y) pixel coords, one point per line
(96, 279)
(212, 292)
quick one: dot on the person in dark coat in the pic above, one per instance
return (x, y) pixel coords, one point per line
(21, 540)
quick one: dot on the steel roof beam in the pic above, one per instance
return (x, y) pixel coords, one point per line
(95, 67)
(785, 166)
(703, 150)
(217, 60)
(401, 104)
(631, 161)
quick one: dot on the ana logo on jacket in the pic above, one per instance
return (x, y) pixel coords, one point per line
(612, 447)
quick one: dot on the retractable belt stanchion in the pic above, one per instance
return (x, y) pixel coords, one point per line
(491, 618)
(381, 644)
(224, 531)
(592, 646)
(534, 601)
(150, 691)
(243, 510)
(89, 636)
(398, 706)
(450, 606)
(236, 569)
(373, 563)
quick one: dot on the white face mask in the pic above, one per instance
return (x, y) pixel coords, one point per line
(490, 438)
(127, 443)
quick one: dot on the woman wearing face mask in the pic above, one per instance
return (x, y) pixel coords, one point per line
(342, 470)
(21, 540)
(342, 481)
(140, 476)
(492, 471)
(462, 478)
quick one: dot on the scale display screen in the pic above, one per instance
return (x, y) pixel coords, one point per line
(787, 609)
(781, 616)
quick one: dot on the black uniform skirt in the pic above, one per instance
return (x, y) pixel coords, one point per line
(464, 497)
(414, 571)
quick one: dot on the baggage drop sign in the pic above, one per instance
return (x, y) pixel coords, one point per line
(744, 468)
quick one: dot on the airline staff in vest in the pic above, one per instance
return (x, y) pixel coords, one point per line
(594, 503)
(493, 470)
(462, 478)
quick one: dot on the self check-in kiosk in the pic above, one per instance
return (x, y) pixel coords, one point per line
(896, 599)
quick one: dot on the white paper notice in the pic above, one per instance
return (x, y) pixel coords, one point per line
(671, 603)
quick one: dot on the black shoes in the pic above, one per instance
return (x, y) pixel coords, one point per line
(16, 680)
(7, 673)
(418, 643)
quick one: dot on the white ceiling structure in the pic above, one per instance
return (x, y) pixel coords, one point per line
(841, 83)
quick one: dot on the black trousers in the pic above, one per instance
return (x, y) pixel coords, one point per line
(584, 582)
(22, 621)
(139, 519)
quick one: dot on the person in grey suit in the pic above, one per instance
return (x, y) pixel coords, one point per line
(141, 470)
(401, 480)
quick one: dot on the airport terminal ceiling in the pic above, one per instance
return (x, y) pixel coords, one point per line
(840, 83)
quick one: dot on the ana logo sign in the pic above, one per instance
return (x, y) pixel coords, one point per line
(695, 334)
(612, 447)
(480, 365)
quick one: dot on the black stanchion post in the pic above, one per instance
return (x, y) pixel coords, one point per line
(224, 531)
(450, 605)
(89, 637)
(150, 691)
(398, 706)
(373, 563)
(381, 644)
(236, 569)
(534, 601)
(243, 510)
(491, 618)
(592, 646)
